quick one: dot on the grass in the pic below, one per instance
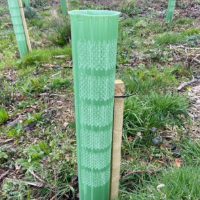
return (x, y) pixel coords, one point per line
(184, 20)
(59, 83)
(39, 56)
(15, 190)
(61, 29)
(130, 8)
(190, 152)
(37, 93)
(3, 115)
(154, 110)
(173, 38)
(172, 184)
(168, 38)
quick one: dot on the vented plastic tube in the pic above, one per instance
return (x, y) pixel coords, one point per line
(170, 10)
(18, 26)
(64, 6)
(94, 47)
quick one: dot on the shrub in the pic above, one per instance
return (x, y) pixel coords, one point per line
(39, 3)
(30, 13)
(130, 8)
(61, 31)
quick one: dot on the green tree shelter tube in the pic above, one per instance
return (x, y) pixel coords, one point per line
(26, 2)
(18, 26)
(94, 47)
(64, 6)
(170, 10)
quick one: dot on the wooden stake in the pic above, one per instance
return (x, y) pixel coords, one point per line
(117, 139)
(67, 2)
(24, 25)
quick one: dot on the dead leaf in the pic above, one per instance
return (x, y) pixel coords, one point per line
(177, 162)
(160, 161)
(9, 78)
(65, 124)
(130, 139)
(179, 131)
(17, 167)
(128, 158)
(162, 147)
(160, 186)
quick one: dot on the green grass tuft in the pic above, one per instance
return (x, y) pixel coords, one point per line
(39, 56)
(191, 32)
(130, 8)
(177, 183)
(168, 38)
(184, 20)
(61, 31)
(3, 115)
(190, 152)
(153, 110)
(59, 83)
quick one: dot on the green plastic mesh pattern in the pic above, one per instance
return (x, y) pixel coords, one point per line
(94, 46)
(170, 10)
(64, 6)
(18, 26)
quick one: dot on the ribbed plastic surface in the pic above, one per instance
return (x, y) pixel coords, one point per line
(94, 46)
(170, 10)
(18, 26)
(26, 2)
(64, 6)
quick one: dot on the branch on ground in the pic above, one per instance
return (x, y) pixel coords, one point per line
(137, 172)
(182, 85)
(4, 174)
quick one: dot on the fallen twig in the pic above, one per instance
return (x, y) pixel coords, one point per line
(60, 56)
(188, 52)
(37, 177)
(198, 61)
(59, 95)
(44, 94)
(67, 67)
(56, 74)
(181, 46)
(182, 85)
(6, 141)
(137, 172)
(4, 174)
(36, 184)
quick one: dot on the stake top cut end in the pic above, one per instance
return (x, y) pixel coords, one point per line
(119, 87)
